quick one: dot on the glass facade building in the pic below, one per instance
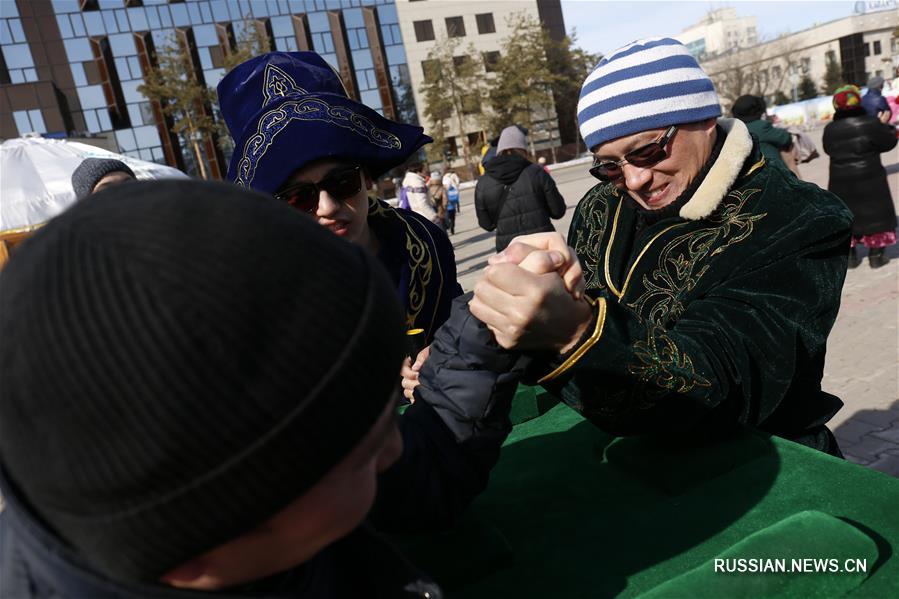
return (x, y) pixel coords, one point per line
(73, 67)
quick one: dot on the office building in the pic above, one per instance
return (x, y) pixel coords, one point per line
(72, 68)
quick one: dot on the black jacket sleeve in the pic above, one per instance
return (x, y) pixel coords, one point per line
(881, 137)
(453, 432)
(486, 217)
(555, 203)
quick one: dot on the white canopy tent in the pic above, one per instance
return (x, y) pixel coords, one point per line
(36, 178)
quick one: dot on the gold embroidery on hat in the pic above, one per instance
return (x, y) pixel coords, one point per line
(277, 83)
(276, 120)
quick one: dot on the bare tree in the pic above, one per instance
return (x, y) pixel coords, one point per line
(453, 90)
(173, 84)
(251, 41)
(522, 93)
(760, 70)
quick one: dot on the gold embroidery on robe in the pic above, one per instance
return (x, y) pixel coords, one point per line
(421, 265)
(682, 262)
(594, 211)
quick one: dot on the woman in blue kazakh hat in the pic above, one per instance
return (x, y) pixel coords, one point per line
(299, 137)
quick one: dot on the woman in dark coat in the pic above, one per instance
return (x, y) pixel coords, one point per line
(515, 196)
(854, 142)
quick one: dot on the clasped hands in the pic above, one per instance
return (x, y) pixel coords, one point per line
(531, 296)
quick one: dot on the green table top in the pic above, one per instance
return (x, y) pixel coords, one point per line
(573, 512)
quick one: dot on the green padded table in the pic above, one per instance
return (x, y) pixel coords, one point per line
(573, 512)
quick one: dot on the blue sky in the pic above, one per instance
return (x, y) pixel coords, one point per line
(604, 25)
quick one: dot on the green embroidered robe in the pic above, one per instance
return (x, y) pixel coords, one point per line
(717, 316)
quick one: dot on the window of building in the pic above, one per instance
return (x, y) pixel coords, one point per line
(451, 149)
(867, 49)
(424, 30)
(876, 47)
(91, 97)
(29, 121)
(485, 23)
(491, 61)
(78, 49)
(474, 139)
(776, 72)
(455, 27)
(18, 56)
(122, 44)
(136, 117)
(805, 64)
(460, 63)
(108, 20)
(471, 104)
(65, 27)
(431, 70)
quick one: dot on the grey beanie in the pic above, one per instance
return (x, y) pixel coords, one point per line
(875, 82)
(511, 138)
(89, 173)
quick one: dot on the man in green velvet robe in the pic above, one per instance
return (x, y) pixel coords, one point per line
(712, 278)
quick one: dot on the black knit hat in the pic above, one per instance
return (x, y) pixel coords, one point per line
(180, 363)
(89, 173)
(749, 108)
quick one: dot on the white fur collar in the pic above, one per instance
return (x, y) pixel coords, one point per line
(720, 178)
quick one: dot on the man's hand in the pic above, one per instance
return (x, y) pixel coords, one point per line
(410, 372)
(523, 245)
(884, 116)
(530, 306)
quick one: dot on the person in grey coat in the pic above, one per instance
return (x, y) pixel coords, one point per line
(515, 196)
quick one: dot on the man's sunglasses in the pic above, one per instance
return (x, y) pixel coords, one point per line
(341, 184)
(643, 157)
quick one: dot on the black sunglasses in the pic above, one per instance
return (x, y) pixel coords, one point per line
(643, 157)
(341, 184)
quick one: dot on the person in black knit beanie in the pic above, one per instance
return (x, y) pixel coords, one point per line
(95, 174)
(199, 390)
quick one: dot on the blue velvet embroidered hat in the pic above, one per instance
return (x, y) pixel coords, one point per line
(287, 109)
(648, 84)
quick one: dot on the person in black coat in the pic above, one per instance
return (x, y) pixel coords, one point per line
(223, 416)
(854, 142)
(516, 197)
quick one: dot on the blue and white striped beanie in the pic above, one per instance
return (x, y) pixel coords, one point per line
(648, 84)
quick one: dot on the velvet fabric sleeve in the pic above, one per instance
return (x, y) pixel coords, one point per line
(453, 432)
(737, 348)
(777, 137)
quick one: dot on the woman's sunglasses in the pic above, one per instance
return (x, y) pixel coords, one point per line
(341, 184)
(643, 157)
